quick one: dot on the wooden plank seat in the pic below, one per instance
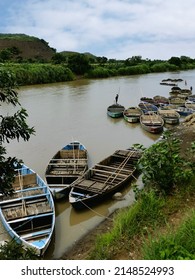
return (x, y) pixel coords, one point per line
(24, 181)
(24, 210)
(108, 173)
(20, 198)
(114, 168)
(73, 154)
(23, 193)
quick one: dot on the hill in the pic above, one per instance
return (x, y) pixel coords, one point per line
(26, 47)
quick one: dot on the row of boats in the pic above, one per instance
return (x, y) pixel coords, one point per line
(153, 113)
(28, 215)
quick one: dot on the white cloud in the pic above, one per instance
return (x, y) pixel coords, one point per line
(113, 28)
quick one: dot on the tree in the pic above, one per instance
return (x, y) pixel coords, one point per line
(79, 64)
(11, 127)
(175, 60)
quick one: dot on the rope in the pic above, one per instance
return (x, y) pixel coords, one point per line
(98, 214)
(123, 163)
(20, 178)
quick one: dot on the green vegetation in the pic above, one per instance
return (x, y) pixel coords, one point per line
(179, 245)
(17, 36)
(13, 251)
(163, 167)
(31, 67)
(11, 127)
(137, 230)
(37, 73)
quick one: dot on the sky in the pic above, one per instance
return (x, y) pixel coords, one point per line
(116, 29)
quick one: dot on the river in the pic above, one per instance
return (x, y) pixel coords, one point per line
(76, 110)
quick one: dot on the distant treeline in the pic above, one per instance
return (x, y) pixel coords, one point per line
(65, 67)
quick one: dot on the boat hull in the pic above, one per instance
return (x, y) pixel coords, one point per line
(152, 123)
(66, 166)
(29, 214)
(104, 179)
(115, 111)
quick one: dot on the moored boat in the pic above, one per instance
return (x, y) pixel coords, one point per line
(169, 116)
(104, 179)
(183, 111)
(147, 107)
(190, 104)
(66, 166)
(152, 122)
(115, 110)
(28, 214)
(132, 114)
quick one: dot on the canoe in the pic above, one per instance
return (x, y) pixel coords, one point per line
(115, 110)
(132, 114)
(28, 214)
(104, 179)
(66, 166)
(152, 123)
(169, 116)
(147, 107)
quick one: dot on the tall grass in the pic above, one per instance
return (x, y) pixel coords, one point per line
(174, 245)
(146, 212)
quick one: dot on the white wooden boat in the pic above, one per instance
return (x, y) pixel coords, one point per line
(29, 214)
(152, 122)
(132, 114)
(170, 116)
(66, 166)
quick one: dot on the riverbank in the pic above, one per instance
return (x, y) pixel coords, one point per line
(180, 210)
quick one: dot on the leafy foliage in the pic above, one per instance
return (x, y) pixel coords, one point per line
(14, 251)
(79, 64)
(162, 165)
(11, 127)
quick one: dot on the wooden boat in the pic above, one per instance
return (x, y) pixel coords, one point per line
(104, 179)
(183, 111)
(66, 166)
(132, 114)
(190, 104)
(169, 116)
(115, 110)
(147, 107)
(160, 100)
(180, 101)
(152, 122)
(191, 98)
(147, 99)
(28, 214)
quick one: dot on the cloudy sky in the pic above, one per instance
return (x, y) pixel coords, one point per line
(154, 29)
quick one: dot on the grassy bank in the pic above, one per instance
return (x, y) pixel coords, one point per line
(161, 223)
(153, 228)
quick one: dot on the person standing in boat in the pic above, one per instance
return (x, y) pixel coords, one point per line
(116, 98)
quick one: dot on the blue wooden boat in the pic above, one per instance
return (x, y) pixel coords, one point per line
(147, 107)
(28, 214)
(66, 166)
(183, 111)
(115, 110)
